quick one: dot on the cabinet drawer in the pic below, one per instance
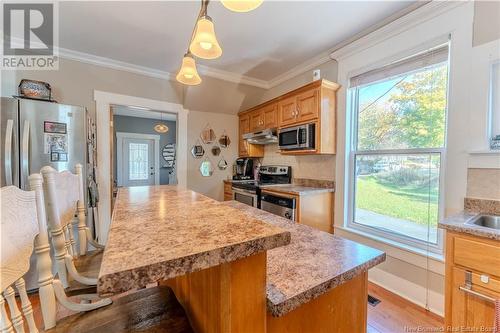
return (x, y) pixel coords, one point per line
(481, 256)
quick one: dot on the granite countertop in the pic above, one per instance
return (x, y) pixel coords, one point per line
(160, 232)
(296, 189)
(472, 208)
(458, 223)
(313, 263)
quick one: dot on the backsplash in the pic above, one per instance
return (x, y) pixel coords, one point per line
(321, 167)
(483, 183)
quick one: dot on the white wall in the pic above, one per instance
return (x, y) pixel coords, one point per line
(398, 39)
(211, 186)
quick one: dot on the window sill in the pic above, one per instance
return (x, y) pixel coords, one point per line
(404, 252)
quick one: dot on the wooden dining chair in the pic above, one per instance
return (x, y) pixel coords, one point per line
(23, 227)
(64, 199)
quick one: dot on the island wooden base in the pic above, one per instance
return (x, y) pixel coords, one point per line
(342, 309)
(226, 298)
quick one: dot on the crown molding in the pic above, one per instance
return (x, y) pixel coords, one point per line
(232, 77)
(114, 64)
(397, 26)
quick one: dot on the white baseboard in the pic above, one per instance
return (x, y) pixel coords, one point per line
(408, 290)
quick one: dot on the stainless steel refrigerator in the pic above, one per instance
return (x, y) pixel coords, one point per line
(38, 133)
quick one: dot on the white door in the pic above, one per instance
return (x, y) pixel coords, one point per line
(138, 162)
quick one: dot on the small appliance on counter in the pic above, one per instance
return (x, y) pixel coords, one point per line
(249, 192)
(244, 169)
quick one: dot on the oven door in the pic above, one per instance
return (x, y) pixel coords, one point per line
(245, 196)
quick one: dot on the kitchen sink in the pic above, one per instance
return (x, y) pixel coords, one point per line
(487, 221)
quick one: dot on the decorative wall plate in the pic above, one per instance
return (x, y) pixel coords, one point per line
(216, 150)
(206, 168)
(224, 140)
(208, 135)
(222, 165)
(197, 151)
(168, 154)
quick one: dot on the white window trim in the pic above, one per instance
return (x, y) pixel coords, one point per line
(120, 136)
(393, 238)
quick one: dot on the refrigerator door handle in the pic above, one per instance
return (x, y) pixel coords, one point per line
(8, 151)
(25, 154)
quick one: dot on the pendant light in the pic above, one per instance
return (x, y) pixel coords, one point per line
(161, 127)
(188, 74)
(241, 6)
(204, 44)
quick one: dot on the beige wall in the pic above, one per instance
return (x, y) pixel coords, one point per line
(75, 82)
(486, 21)
(308, 166)
(211, 186)
(483, 183)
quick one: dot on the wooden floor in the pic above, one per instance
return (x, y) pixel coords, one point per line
(394, 314)
(391, 315)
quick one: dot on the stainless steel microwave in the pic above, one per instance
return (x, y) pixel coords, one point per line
(297, 137)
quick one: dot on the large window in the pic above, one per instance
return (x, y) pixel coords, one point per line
(397, 148)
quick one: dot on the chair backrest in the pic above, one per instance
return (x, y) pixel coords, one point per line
(64, 199)
(19, 231)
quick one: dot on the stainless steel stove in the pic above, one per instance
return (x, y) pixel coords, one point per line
(248, 191)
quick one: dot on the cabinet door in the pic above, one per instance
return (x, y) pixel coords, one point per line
(470, 311)
(287, 110)
(243, 129)
(256, 122)
(270, 116)
(308, 105)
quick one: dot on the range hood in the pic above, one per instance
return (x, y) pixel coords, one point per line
(263, 137)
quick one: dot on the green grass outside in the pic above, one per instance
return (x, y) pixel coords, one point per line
(408, 202)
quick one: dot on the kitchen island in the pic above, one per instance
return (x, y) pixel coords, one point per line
(235, 268)
(317, 283)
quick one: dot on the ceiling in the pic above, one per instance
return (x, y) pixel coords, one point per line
(121, 110)
(262, 44)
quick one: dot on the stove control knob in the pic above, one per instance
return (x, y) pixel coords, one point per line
(288, 215)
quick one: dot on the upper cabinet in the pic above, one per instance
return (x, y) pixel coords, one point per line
(313, 103)
(244, 148)
(264, 117)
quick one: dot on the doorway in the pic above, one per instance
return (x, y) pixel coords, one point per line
(140, 137)
(105, 143)
(137, 161)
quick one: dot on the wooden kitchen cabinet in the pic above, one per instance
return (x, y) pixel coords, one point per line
(244, 148)
(287, 110)
(228, 191)
(472, 263)
(313, 103)
(264, 117)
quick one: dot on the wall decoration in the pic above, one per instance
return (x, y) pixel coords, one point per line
(208, 135)
(197, 151)
(222, 165)
(216, 150)
(224, 140)
(168, 153)
(206, 168)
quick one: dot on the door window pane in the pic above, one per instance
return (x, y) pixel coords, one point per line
(407, 111)
(138, 161)
(398, 194)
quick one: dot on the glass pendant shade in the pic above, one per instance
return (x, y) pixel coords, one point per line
(204, 44)
(161, 128)
(188, 73)
(241, 6)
